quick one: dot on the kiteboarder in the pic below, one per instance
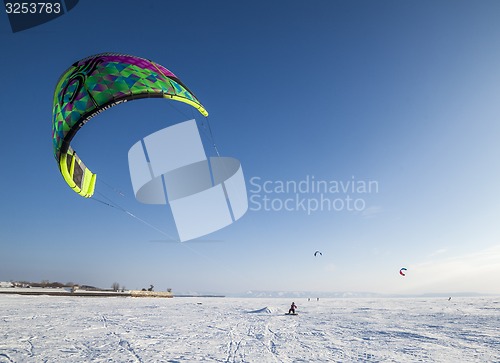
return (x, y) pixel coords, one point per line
(292, 308)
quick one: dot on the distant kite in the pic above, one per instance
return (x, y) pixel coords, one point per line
(317, 252)
(401, 271)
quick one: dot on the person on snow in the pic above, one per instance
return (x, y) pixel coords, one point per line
(292, 308)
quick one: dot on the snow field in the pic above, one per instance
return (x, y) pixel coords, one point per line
(72, 329)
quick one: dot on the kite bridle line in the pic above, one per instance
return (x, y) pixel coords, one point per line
(176, 240)
(223, 165)
(212, 137)
(113, 204)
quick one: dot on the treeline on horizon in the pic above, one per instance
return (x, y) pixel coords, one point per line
(115, 286)
(47, 283)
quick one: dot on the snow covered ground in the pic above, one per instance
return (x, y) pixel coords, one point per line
(72, 329)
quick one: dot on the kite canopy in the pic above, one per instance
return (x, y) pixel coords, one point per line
(318, 253)
(95, 84)
(401, 271)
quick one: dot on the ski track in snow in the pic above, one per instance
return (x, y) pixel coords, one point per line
(140, 330)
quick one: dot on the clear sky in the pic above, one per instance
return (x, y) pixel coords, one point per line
(398, 96)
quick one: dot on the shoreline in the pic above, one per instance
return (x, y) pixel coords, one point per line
(83, 293)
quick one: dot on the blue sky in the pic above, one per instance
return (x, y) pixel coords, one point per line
(404, 94)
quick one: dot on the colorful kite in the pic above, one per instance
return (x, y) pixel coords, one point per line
(401, 271)
(95, 84)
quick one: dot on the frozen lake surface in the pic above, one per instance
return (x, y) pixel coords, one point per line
(72, 329)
